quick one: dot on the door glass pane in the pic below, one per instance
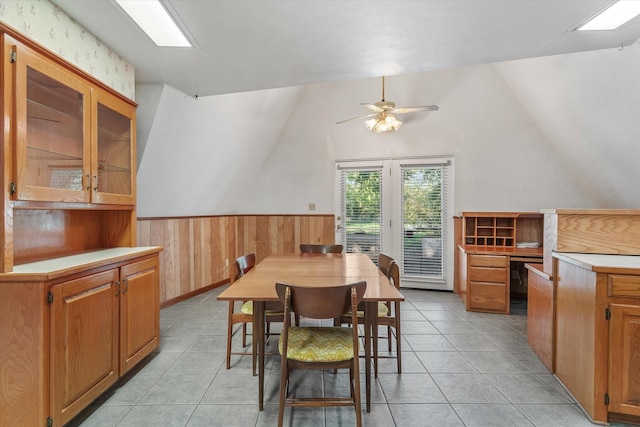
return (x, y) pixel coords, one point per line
(423, 221)
(114, 151)
(361, 199)
(54, 133)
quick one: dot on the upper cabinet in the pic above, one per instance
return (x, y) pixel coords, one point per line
(74, 141)
(112, 176)
(68, 158)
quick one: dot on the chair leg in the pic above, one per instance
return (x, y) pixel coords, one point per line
(358, 404)
(375, 352)
(244, 335)
(284, 378)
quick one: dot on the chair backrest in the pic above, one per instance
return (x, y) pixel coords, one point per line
(394, 274)
(323, 302)
(384, 262)
(244, 264)
(320, 249)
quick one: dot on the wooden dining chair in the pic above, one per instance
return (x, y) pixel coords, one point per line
(273, 312)
(306, 248)
(384, 262)
(391, 320)
(320, 347)
(388, 313)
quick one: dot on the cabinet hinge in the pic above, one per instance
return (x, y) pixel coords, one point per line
(606, 398)
(49, 422)
(13, 56)
(50, 298)
(12, 188)
(607, 313)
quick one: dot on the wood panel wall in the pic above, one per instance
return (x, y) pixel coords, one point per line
(199, 252)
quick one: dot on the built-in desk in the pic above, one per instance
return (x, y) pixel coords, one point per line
(485, 274)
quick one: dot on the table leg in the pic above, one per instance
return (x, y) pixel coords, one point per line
(258, 338)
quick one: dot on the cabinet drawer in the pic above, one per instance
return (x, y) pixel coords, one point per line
(623, 285)
(487, 260)
(488, 297)
(488, 274)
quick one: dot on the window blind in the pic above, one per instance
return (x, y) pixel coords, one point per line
(424, 204)
(361, 209)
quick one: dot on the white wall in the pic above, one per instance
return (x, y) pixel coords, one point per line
(588, 106)
(202, 156)
(512, 128)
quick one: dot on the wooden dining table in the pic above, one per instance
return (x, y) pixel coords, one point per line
(258, 285)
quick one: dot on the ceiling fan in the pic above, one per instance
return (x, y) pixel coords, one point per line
(383, 118)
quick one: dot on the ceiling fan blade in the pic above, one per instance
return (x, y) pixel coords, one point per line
(373, 107)
(356, 118)
(404, 110)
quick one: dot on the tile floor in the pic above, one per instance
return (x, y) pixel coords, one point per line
(459, 369)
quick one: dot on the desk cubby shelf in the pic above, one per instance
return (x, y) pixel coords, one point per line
(489, 230)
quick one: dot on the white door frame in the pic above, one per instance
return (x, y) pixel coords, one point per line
(391, 212)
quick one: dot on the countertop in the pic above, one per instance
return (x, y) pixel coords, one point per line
(502, 250)
(617, 264)
(57, 267)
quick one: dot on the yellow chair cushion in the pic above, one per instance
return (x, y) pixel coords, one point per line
(320, 344)
(247, 308)
(383, 310)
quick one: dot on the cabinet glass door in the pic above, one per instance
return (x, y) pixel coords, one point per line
(52, 114)
(112, 179)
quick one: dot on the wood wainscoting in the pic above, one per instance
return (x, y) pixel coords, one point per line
(199, 252)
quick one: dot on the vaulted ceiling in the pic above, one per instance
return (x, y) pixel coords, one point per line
(255, 44)
(561, 126)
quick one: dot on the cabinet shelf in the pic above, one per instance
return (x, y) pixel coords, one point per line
(39, 111)
(37, 153)
(501, 229)
(109, 167)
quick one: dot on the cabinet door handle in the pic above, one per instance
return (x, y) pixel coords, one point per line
(95, 178)
(88, 187)
(118, 285)
(126, 285)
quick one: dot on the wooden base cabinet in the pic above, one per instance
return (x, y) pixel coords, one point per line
(139, 319)
(624, 362)
(84, 342)
(598, 333)
(488, 288)
(540, 314)
(68, 334)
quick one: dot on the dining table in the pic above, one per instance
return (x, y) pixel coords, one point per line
(258, 285)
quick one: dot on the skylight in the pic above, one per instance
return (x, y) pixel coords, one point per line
(158, 21)
(614, 16)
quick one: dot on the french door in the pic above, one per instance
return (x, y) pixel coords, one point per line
(401, 207)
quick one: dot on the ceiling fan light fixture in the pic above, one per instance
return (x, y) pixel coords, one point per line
(384, 122)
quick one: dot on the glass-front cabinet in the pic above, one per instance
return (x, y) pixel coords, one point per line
(113, 163)
(52, 131)
(74, 142)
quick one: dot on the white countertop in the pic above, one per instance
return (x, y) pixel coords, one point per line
(69, 264)
(625, 264)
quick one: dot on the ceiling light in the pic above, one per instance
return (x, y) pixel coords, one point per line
(614, 16)
(384, 122)
(159, 21)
